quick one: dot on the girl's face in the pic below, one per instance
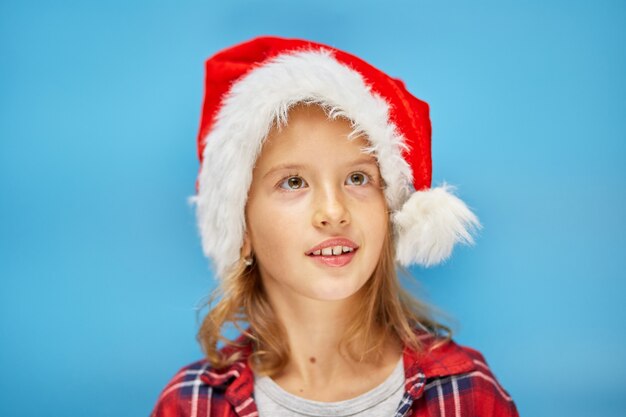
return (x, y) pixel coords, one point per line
(315, 194)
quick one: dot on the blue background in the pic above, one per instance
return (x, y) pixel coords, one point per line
(101, 269)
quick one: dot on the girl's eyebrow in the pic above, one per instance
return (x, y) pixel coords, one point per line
(299, 167)
(367, 160)
(280, 167)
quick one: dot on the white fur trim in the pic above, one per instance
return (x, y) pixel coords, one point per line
(429, 224)
(257, 100)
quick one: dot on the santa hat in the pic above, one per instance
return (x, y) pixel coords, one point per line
(251, 85)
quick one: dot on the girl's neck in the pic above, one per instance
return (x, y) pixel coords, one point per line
(316, 367)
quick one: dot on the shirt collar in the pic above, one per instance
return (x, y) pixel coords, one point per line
(437, 358)
(237, 378)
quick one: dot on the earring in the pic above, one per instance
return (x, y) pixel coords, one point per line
(248, 260)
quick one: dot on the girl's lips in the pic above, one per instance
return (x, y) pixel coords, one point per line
(334, 260)
(338, 241)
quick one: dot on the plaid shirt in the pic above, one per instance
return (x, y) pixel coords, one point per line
(451, 380)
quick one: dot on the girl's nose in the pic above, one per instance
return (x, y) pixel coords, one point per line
(330, 209)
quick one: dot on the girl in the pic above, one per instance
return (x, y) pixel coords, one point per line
(314, 185)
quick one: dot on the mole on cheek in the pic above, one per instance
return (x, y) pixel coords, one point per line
(312, 359)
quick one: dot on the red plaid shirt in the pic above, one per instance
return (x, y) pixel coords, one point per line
(451, 380)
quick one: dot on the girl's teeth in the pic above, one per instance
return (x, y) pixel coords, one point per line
(334, 250)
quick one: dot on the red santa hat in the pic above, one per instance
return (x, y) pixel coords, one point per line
(252, 85)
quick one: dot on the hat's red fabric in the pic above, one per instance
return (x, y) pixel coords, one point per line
(408, 113)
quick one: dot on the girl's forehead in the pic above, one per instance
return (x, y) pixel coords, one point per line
(309, 127)
(315, 145)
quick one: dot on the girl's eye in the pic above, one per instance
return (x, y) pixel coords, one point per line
(293, 183)
(358, 178)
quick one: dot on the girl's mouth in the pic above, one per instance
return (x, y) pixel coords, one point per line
(334, 251)
(327, 256)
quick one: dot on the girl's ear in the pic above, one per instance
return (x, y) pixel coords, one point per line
(246, 248)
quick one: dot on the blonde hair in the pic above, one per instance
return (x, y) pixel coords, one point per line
(385, 307)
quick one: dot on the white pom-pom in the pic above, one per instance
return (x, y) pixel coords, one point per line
(429, 224)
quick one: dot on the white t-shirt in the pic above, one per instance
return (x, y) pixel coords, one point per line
(383, 400)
